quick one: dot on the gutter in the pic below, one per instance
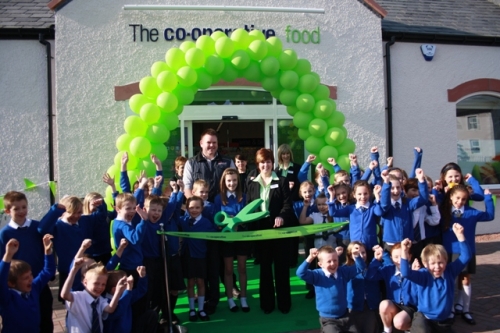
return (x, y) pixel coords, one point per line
(388, 80)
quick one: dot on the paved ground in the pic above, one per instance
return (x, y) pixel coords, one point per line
(485, 291)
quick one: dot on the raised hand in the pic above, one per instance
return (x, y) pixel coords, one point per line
(86, 243)
(415, 266)
(311, 158)
(378, 252)
(374, 149)
(385, 176)
(142, 271)
(12, 247)
(142, 212)
(373, 165)
(390, 159)
(420, 175)
(158, 180)
(331, 161)
(432, 199)
(406, 244)
(339, 250)
(106, 178)
(124, 160)
(458, 229)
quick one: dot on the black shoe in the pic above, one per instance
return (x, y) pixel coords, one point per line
(467, 316)
(245, 308)
(311, 294)
(459, 309)
(203, 316)
(285, 311)
(234, 308)
(192, 315)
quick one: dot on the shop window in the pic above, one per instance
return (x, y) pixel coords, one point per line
(289, 134)
(478, 131)
(232, 97)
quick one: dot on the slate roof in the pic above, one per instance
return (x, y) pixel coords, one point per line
(442, 17)
(25, 14)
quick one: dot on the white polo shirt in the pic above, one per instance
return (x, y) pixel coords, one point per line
(79, 318)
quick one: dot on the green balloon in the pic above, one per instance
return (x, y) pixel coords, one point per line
(113, 171)
(140, 147)
(303, 134)
(344, 130)
(123, 142)
(137, 101)
(214, 64)
(274, 46)
(167, 101)
(258, 35)
(292, 110)
(224, 47)
(317, 127)
(257, 49)
(289, 97)
(346, 147)
(270, 66)
(302, 119)
(336, 119)
(305, 102)
(328, 152)
(323, 109)
(308, 83)
(316, 75)
(135, 126)
(271, 83)
(157, 133)
(277, 93)
(334, 103)
(158, 67)
(204, 79)
(240, 59)
(185, 95)
(148, 87)
(195, 58)
(344, 162)
(187, 45)
(217, 34)
(289, 79)
(321, 92)
(314, 144)
(170, 120)
(148, 166)
(160, 151)
(179, 109)
(166, 80)
(334, 136)
(229, 74)
(206, 44)
(302, 67)
(150, 113)
(132, 160)
(252, 73)
(187, 76)
(240, 38)
(287, 59)
(175, 58)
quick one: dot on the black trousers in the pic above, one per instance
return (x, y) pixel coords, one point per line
(46, 299)
(139, 308)
(156, 296)
(212, 284)
(274, 252)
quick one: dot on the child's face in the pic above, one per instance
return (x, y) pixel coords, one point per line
(362, 195)
(180, 170)
(361, 250)
(342, 195)
(18, 211)
(23, 283)
(458, 199)
(154, 212)
(412, 193)
(127, 211)
(343, 180)
(395, 190)
(396, 257)
(95, 283)
(453, 176)
(201, 191)
(231, 182)
(241, 165)
(436, 266)
(307, 192)
(195, 209)
(329, 261)
(322, 205)
(73, 217)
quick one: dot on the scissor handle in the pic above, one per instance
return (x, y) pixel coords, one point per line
(220, 219)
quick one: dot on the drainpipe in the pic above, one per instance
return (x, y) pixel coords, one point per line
(50, 114)
(389, 94)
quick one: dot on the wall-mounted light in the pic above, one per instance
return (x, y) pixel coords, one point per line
(428, 51)
(227, 8)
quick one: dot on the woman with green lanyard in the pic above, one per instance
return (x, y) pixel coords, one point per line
(275, 193)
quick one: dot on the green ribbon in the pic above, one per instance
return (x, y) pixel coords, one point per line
(259, 234)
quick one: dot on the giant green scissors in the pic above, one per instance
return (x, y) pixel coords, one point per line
(246, 215)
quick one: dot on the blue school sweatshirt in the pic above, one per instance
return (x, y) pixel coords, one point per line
(435, 295)
(232, 208)
(197, 247)
(468, 220)
(344, 233)
(331, 293)
(21, 314)
(362, 225)
(398, 224)
(359, 290)
(132, 255)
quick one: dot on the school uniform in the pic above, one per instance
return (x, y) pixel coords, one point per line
(325, 237)
(80, 311)
(331, 294)
(21, 311)
(232, 208)
(363, 299)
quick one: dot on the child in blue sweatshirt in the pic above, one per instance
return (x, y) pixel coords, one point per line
(330, 282)
(194, 252)
(19, 292)
(101, 246)
(435, 284)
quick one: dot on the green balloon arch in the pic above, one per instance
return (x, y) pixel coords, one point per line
(198, 65)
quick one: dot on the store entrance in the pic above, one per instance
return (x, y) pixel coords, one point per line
(236, 137)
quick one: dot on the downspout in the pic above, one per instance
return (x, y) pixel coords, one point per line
(48, 51)
(389, 94)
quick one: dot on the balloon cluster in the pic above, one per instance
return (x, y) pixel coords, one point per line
(198, 65)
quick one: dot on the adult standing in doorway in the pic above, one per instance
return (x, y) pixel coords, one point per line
(208, 165)
(277, 200)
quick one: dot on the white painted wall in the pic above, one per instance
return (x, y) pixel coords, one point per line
(23, 112)
(95, 52)
(422, 114)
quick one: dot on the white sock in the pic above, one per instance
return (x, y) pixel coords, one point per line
(201, 302)
(231, 303)
(387, 329)
(460, 298)
(467, 292)
(243, 301)
(191, 303)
